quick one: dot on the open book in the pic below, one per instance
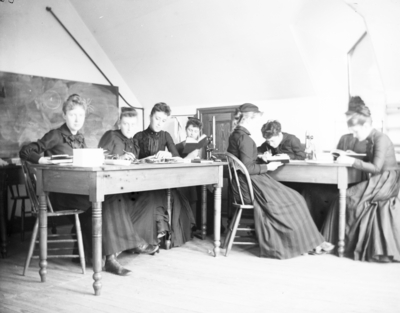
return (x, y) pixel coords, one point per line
(152, 159)
(60, 158)
(336, 153)
(283, 158)
(193, 144)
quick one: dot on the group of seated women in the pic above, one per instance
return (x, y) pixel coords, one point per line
(283, 224)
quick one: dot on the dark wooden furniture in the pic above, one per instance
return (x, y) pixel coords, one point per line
(96, 182)
(30, 185)
(235, 165)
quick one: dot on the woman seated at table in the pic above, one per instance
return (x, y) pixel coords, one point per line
(372, 206)
(348, 142)
(193, 129)
(118, 232)
(278, 142)
(149, 212)
(284, 227)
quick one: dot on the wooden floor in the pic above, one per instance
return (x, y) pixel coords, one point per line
(189, 279)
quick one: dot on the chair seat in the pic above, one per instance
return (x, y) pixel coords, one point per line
(60, 213)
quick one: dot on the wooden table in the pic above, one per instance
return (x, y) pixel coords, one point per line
(96, 182)
(322, 173)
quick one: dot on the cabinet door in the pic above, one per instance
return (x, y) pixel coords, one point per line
(223, 126)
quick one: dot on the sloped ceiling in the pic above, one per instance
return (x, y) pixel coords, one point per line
(200, 52)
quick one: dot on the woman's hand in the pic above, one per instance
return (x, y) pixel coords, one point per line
(345, 160)
(163, 155)
(44, 160)
(272, 166)
(128, 156)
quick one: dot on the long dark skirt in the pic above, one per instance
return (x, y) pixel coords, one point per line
(372, 219)
(149, 216)
(283, 223)
(118, 233)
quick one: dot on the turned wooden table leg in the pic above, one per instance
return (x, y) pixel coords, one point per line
(203, 212)
(169, 209)
(97, 253)
(342, 220)
(42, 236)
(217, 220)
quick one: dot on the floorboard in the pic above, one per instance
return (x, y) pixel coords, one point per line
(189, 279)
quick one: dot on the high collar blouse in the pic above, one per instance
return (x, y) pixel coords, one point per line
(150, 142)
(289, 145)
(116, 143)
(56, 141)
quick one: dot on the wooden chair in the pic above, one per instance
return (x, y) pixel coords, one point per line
(30, 184)
(15, 197)
(235, 165)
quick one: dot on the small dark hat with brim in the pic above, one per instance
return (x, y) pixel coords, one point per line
(249, 107)
(127, 109)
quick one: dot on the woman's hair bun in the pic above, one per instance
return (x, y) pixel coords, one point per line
(363, 110)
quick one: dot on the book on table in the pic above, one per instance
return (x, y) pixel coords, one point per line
(283, 158)
(60, 158)
(193, 144)
(337, 152)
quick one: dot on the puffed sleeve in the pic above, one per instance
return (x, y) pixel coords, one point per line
(33, 152)
(170, 145)
(107, 143)
(298, 151)
(246, 154)
(381, 145)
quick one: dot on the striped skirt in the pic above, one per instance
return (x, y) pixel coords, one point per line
(372, 219)
(284, 226)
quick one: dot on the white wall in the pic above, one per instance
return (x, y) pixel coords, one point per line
(32, 42)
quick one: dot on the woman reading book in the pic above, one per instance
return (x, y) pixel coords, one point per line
(117, 235)
(372, 206)
(149, 212)
(278, 142)
(284, 227)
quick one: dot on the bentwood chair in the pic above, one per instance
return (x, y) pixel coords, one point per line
(237, 187)
(54, 240)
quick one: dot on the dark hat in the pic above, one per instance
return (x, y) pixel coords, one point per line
(127, 109)
(249, 107)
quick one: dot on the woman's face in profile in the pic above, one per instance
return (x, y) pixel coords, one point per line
(128, 126)
(157, 121)
(192, 132)
(75, 118)
(360, 132)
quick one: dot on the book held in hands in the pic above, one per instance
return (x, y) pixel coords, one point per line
(193, 144)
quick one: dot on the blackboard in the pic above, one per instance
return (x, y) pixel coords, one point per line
(30, 106)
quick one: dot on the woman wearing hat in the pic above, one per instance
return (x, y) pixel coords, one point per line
(284, 227)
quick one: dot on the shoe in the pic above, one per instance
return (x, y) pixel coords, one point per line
(162, 234)
(145, 248)
(112, 266)
(327, 246)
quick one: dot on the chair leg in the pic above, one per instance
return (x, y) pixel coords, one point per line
(233, 234)
(10, 229)
(230, 229)
(31, 246)
(23, 220)
(80, 243)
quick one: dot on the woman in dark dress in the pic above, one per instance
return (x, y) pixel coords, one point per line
(283, 224)
(117, 235)
(149, 212)
(278, 142)
(372, 206)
